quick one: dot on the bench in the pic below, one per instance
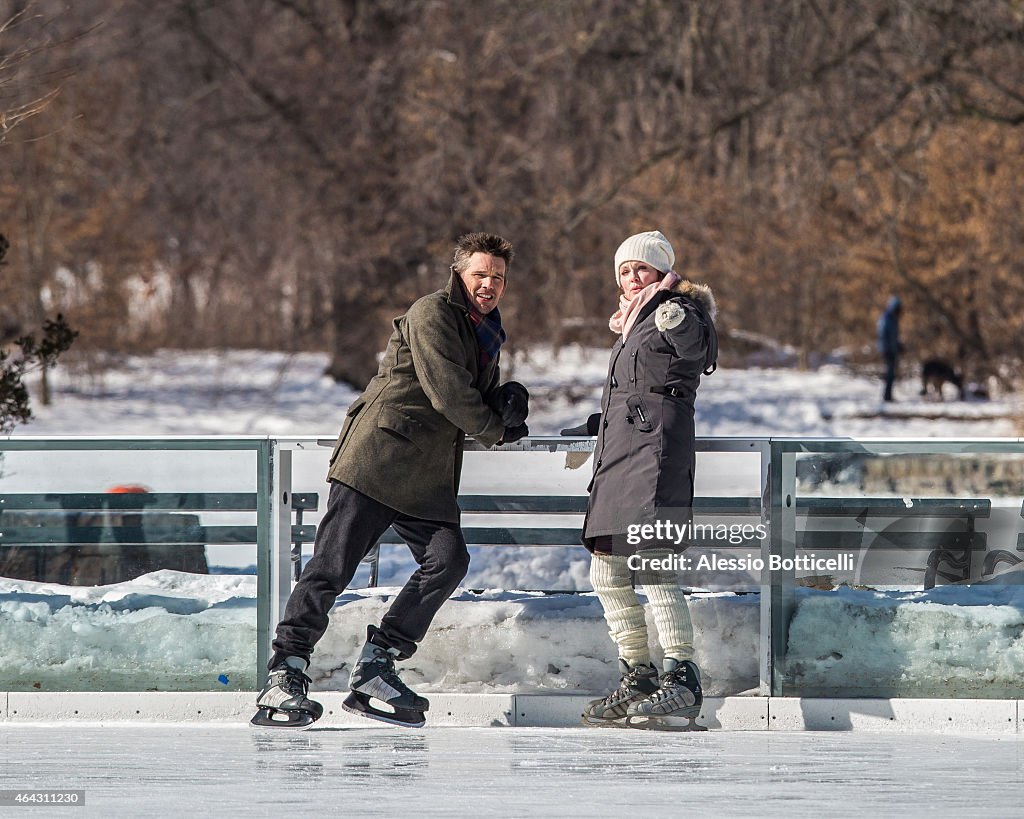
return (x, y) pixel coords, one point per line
(103, 538)
(850, 524)
(997, 556)
(513, 510)
(856, 523)
(91, 538)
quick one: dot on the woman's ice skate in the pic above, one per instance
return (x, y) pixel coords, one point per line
(637, 683)
(374, 678)
(676, 704)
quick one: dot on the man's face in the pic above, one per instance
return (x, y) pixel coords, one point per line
(484, 280)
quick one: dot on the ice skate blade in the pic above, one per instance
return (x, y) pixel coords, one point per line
(271, 718)
(645, 722)
(359, 704)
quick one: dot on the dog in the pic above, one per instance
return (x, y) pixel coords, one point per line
(935, 372)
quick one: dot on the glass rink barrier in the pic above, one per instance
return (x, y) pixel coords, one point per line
(900, 570)
(130, 564)
(813, 567)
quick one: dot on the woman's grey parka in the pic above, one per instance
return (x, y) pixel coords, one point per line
(645, 455)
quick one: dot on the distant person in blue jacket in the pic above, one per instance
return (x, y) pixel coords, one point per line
(889, 342)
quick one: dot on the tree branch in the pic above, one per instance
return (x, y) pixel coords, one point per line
(286, 110)
(800, 81)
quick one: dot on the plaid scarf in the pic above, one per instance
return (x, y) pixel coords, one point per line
(489, 334)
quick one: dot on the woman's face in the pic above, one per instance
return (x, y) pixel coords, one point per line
(635, 276)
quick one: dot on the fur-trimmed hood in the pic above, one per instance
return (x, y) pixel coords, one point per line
(700, 293)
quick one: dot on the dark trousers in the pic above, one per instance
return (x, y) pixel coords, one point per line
(890, 375)
(350, 527)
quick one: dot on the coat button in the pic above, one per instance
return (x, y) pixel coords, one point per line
(605, 424)
(599, 464)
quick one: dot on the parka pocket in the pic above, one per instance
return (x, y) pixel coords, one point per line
(639, 413)
(657, 367)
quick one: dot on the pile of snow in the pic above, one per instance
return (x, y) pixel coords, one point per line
(163, 631)
(952, 641)
(175, 631)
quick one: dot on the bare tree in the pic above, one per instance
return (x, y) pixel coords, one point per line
(24, 94)
(292, 173)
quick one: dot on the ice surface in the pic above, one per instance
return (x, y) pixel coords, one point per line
(156, 771)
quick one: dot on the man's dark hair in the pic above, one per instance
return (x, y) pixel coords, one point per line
(487, 243)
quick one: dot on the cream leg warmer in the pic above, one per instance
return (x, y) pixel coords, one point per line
(622, 610)
(669, 607)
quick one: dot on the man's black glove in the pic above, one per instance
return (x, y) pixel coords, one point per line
(513, 434)
(512, 402)
(591, 427)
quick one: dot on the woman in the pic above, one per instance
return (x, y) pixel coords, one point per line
(643, 472)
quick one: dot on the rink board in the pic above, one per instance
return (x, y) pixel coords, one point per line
(535, 711)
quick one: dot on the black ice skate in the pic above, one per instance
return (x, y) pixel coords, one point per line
(638, 682)
(676, 704)
(283, 702)
(374, 678)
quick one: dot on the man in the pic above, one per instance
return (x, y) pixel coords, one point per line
(889, 342)
(397, 463)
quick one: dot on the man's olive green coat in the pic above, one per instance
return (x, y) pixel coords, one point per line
(403, 438)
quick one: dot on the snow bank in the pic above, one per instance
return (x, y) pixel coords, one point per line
(175, 631)
(953, 641)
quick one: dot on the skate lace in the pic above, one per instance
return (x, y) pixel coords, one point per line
(383, 657)
(294, 681)
(626, 685)
(669, 683)
(386, 662)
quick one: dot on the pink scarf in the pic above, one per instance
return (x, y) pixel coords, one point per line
(623, 319)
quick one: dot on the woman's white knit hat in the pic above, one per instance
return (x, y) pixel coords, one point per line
(651, 247)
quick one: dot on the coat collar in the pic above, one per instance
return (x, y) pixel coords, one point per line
(700, 293)
(652, 305)
(455, 293)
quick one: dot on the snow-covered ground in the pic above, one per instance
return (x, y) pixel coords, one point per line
(169, 630)
(251, 392)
